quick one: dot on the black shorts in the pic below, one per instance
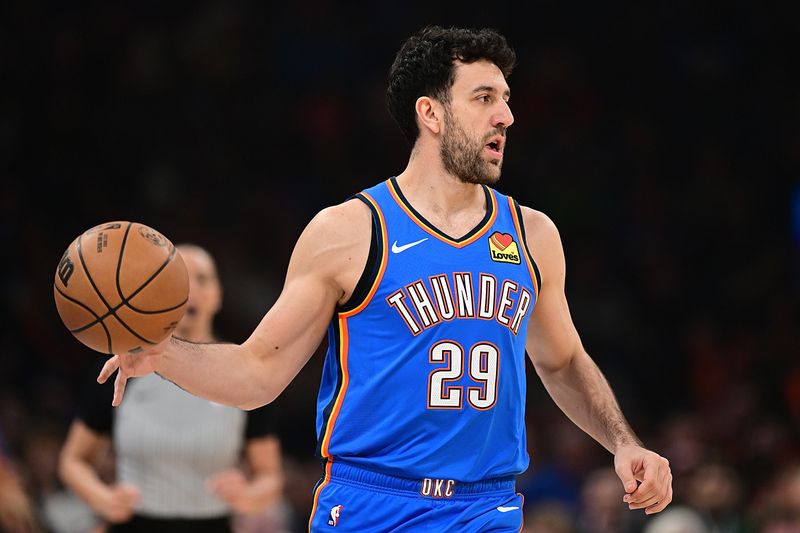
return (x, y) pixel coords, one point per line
(141, 524)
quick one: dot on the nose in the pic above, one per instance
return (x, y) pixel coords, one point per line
(503, 116)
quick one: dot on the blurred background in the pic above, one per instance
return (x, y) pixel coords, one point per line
(662, 139)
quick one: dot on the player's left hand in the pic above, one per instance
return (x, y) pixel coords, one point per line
(231, 487)
(646, 477)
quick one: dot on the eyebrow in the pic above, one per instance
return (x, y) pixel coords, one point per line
(489, 88)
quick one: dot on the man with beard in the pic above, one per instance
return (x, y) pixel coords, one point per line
(431, 285)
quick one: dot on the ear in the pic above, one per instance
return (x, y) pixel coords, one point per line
(429, 114)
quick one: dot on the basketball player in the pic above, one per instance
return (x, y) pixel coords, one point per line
(431, 286)
(177, 458)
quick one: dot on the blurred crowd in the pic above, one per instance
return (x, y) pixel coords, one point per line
(663, 140)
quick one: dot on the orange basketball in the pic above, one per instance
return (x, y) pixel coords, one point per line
(121, 287)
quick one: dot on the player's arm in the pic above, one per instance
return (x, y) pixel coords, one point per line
(324, 268)
(575, 382)
(553, 344)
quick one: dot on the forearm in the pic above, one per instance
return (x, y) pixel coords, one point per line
(82, 479)
(582, 392)
(228, 374)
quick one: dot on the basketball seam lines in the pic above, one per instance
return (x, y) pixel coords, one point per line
(112, 311)
(73, 300)
(126, 326)
(126, 301)
(89, 275)
(119, 260)
(99, 321)
(157, 311)
(119, 265)
(91, 281)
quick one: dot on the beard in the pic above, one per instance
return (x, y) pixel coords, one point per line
(463, 157)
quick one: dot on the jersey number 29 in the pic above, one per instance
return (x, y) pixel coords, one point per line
(483, 365)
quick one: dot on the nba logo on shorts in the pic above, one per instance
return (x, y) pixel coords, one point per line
(334, 519)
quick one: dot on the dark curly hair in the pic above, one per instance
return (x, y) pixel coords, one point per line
(424, 66)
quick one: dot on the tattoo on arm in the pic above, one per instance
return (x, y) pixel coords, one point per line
(167, 379)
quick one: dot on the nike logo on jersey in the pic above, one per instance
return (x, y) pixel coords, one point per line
(506, 509)
(397, 249)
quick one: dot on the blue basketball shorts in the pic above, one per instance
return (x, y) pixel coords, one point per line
(349, 498)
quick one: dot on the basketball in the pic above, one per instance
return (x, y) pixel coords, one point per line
(120, 287)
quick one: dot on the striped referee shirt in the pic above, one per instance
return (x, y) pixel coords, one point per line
(168, 442)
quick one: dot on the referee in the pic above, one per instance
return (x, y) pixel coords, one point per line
(177, 456)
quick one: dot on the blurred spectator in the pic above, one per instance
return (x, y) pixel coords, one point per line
(41, 457)
(684, 443)
(547, 518)
(16, 510)
(715, 491)
(677, 519)
(563, 456)
(59, 510)
(602, 510)
(779, 512)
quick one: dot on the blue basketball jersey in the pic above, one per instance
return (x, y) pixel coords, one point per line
(425, 371)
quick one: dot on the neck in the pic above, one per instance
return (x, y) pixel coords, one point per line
(429, 187)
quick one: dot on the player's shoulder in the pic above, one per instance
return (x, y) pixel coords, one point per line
(352, 210)
(538, 226)
(335, 244)
(350, 219)
(336, 235)
(543, 241)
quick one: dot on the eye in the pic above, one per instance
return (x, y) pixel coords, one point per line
(485, 98)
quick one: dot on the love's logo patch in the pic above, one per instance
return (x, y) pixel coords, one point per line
(503, 249)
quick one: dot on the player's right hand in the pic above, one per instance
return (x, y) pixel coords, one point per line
(117, 504)
(131, 365)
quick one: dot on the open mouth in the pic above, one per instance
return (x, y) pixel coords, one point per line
(495, 146)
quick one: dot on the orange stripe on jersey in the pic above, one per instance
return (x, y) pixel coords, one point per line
(343, 347)
(429, 229)
(528, 258)
(325, 481)
(381, 268)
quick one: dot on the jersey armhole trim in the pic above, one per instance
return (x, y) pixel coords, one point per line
(376, 261)
(516, 214)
